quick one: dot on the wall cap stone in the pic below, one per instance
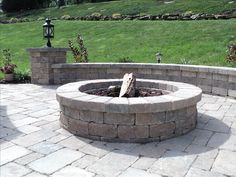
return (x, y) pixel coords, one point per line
(192, 68)
(186, 95)
(47, 49)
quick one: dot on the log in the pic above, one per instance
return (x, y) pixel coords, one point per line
(128, 86)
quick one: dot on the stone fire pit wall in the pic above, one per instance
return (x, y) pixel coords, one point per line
(142, 119)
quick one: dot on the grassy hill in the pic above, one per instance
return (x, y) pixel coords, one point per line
(133, 7)
(192, 42)
(187, 42)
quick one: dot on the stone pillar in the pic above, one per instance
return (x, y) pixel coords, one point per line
(42, 60)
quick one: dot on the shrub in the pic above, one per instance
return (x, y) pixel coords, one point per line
(41, 18)
(116, 15)
(125, 60)
(7, 66)
(231, 56)
(13, 20)
(80, 54)
(65, 17)
(96, 14)
(185, 61)
(22, 76)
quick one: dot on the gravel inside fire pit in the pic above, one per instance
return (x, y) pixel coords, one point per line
(114, 92)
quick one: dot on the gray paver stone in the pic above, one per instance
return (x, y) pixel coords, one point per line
(55, 161)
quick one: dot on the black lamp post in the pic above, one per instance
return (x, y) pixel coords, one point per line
(48, 31)
(158, 57)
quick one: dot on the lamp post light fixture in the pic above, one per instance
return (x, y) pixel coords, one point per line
(158, 57)
(48, 31)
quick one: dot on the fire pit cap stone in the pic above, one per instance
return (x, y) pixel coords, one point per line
(181, 95)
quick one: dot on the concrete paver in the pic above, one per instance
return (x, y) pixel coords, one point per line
(33, 144)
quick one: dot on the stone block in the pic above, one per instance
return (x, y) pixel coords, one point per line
(73, 113)
(64, 120)
(118, 118)
(232, 78)
(91, 116)
(103, 130)
(138, 105)
(173, 73)
(189, 74)
(220, 77)
(55, 161)
(164, 129)
(159, 71)
(126, 132)
(205, 88)
(141, 131)
(175, 115)
(189, 80)
(117, 105)
(80, 127)
(191, 110)
(144, 71)
(232, 86)
(203, 81)
(219, 91)
(232, 93)
(113, 71)
(220, 84)
(150, 118)
(204, 75)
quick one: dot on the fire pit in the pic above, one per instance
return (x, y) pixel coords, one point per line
(172, 112)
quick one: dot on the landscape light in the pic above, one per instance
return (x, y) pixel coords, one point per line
(48, 31)
(158, 57)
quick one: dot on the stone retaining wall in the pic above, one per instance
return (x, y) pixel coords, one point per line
(212, 80)
(49, 67)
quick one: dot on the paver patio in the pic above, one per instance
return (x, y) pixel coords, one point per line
(33, 144)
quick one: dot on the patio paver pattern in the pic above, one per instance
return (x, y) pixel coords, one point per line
(34, 145)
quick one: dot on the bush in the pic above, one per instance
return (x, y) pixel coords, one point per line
(231, 56)
(22, 76)
(80, 53)
(65, 17)
(13, 20)
(125, 60)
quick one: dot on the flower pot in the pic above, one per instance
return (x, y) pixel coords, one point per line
(9, 77)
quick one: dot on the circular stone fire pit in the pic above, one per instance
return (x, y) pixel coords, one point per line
(141, 119)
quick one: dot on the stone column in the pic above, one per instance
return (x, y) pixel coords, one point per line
(42, 60)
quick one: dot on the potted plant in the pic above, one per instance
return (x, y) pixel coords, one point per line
(8, 67)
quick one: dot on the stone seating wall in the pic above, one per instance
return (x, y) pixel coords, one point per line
(49, 67)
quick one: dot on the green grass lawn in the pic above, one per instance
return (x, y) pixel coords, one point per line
(132, 7)
(194, 42)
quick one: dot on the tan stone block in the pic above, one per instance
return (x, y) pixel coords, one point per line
(204, 75)
(189, 74)
(220, 77)
(141, 131)
(91, 116)
(232, 93)
(173, 73)
(80, 127)
(232, 78)
(219, 91)
(118, 118)
(164, 129)
(126, 132)
(150, 118)
(104, 130)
